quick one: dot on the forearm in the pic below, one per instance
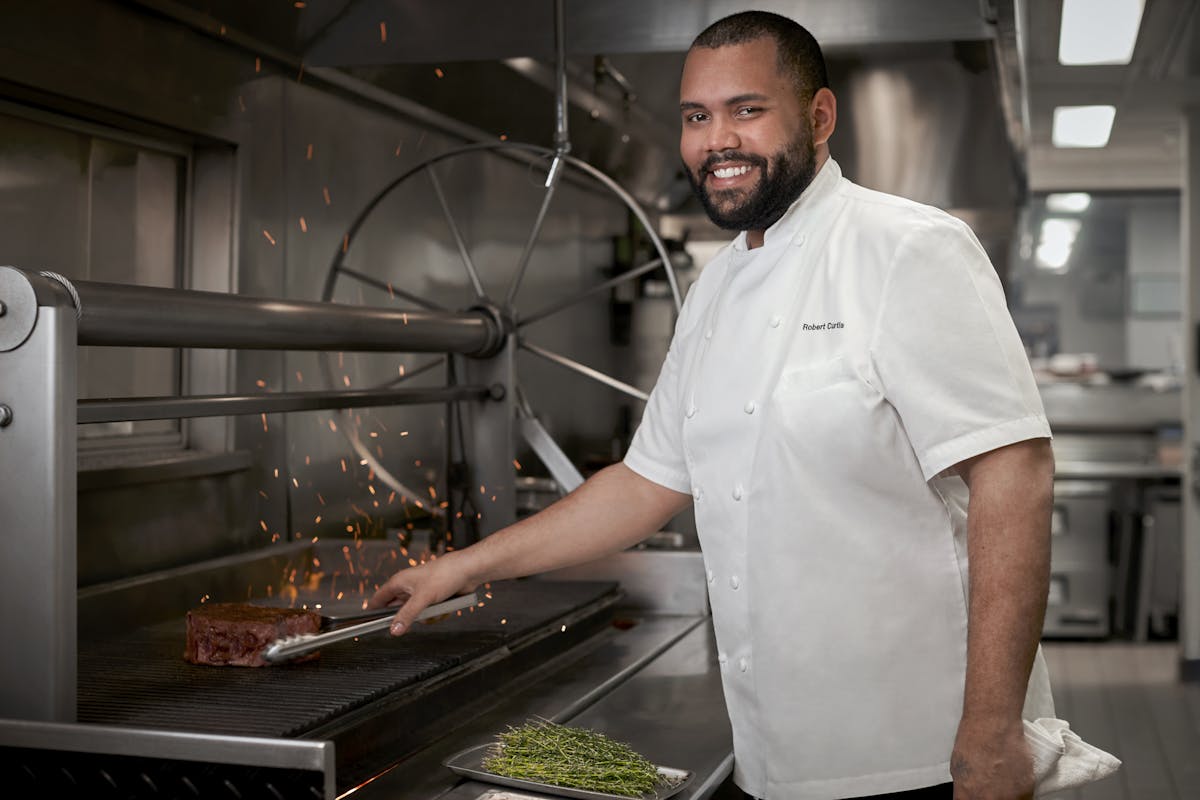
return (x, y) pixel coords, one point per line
(612, 510)
(1008, 546)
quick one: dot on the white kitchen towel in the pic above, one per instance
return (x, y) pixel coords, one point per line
(1062, 760)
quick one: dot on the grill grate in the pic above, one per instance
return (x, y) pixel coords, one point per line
(140, 679)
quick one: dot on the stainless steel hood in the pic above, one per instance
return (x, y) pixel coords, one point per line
(928, 97)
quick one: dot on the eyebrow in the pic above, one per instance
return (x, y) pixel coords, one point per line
(688, 105)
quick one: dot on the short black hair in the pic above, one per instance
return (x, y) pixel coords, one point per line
(799, 54)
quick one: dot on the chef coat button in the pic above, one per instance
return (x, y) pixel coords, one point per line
(737, 492)
(722, 659)
(799, 240)
(696, 494)
(709, 575)
(708, 333)
(734, 582)
(749, 407)
(776, 321)
(743, 664)
(691, 412)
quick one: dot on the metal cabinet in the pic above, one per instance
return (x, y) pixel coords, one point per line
(1079, 604)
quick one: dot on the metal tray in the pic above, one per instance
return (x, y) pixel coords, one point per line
(469, 764)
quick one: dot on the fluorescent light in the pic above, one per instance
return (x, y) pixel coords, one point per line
(1055, 243)
(1098, 31)
(1082, 126)
(1068, 202)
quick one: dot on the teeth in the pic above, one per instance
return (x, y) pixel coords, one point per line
(729, 172)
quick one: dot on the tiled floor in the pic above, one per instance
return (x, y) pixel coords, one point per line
(1126, 698)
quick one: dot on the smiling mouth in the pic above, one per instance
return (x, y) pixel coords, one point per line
(729, 172)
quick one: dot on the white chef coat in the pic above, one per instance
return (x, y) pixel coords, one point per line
(815, 393)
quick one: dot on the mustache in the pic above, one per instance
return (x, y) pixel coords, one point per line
(717, 159)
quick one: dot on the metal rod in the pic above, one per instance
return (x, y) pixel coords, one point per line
(390, 289)
(458, 239)
(562, 142)
(121, 315)
(137, 408)
(554, 308)
(531, 241)
(562, 146)
(587, 371)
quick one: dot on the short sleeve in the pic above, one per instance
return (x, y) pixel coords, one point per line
(946, 352)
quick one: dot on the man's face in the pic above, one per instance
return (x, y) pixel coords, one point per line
(746, 143)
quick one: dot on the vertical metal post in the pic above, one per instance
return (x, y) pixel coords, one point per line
(488, 429)
(1189, 611)
(37, 505)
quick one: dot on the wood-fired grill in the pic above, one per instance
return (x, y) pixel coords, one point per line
(376, 698)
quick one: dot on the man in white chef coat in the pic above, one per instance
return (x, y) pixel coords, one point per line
(848, 406)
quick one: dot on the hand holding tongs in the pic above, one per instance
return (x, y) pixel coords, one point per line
(291, 646)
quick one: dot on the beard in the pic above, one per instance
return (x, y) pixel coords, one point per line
(782, 179)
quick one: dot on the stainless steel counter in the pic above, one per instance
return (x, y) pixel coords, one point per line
(655, 686)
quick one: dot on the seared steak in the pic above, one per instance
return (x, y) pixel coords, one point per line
(237, 634)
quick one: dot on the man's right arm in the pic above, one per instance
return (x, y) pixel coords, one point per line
(614, 509)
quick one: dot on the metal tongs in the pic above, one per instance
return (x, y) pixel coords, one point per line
(292, 646)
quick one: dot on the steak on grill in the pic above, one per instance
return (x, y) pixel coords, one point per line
(237, 634)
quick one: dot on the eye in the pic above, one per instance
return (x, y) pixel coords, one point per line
(696, 116)
(747, 111)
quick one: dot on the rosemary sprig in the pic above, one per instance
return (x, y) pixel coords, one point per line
(546, 752)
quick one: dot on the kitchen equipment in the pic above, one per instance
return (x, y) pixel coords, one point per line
(290, 647)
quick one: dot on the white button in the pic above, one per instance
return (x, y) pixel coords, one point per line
(776, 321)
(737, 492)
(696, 494)
(710, 576)
(691, 412)
(749, 407)
(722, 659)
(708, 334)
(734, 582)
(743, 664)
(799, 241)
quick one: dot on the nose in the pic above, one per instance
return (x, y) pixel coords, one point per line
(721, 136)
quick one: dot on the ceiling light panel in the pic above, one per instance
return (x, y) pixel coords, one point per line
(1082, 126)
(1098, 31)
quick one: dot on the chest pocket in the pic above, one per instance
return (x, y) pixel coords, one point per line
(811, 378)
(820, 414)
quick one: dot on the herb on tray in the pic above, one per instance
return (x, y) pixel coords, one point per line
(546, 752)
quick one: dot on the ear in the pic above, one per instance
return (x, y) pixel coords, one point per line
(822, 113)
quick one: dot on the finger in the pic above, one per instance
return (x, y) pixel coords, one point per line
(407, 615)
(383, 597)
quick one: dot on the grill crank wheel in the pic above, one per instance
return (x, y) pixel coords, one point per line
(538, 312)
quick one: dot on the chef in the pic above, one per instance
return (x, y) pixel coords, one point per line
(847, 405)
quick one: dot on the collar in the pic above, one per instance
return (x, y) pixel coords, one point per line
(822, 185)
